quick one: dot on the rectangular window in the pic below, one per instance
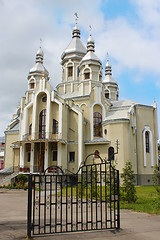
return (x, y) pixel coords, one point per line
(87, 75)
(70, 71)
(31, 85)
(28, 156)
(78, 71)
(30, 129)
(55, 126)
(71, 156)
(54, 155)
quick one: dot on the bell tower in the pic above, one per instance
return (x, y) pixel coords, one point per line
(71, 58)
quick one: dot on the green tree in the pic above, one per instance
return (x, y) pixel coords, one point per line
(156, 181)
(128, 192)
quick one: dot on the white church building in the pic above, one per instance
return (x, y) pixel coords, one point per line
(82, 115)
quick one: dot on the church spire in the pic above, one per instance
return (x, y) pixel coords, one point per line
(38, 68)
(76, 31)
(108, 67)
(39, 56)
(110, 85)
(90, 44)
(90, 55)
(75, 47)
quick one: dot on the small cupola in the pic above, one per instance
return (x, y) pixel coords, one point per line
(90, 55)
(108, 74)
(38, 70)
(90, 65)
(90, 44)
(110, 85)
(76, 31)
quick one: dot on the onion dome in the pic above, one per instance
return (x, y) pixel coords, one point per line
(76, 31)
(90, 44)
(108, 74)
(75, 47)
(38, 68)
(90, 55)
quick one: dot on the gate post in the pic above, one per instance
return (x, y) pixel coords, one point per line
(29, 227)
(118, 205)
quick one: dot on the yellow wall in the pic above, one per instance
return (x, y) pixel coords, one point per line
(9, 154)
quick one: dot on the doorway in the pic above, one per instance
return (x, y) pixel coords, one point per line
(41, 156)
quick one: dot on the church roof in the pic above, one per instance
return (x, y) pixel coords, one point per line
(98, 141)
(109, 79)
(14, 128)
(75, 46)
(38, 68)
(123, 103)
(90, 55)
(117, 115)
(119, 110)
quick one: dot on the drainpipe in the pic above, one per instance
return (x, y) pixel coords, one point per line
(68, 136)
(137, 149)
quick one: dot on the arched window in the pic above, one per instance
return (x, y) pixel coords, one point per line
(147, 145)
(97, 124)
(110, 153)
(107, 95)
(147, 141)
(70, 71)
(31, 85)
(42, 124)
(87, 75)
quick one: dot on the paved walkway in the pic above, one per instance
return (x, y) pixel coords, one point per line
(13, 212)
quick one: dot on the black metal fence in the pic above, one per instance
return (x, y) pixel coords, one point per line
(87, 200)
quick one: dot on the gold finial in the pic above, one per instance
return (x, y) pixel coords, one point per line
(76, 17)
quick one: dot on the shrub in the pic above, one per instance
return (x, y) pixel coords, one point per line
(128, 190)
(22, 179)
(156, 181)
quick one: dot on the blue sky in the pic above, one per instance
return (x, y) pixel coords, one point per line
(127, 29)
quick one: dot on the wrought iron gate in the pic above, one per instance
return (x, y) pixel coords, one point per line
(87, 200)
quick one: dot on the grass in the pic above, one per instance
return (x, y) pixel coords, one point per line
(147, 201)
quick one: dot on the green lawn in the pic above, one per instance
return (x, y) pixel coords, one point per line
(147, 201)
(147, 198)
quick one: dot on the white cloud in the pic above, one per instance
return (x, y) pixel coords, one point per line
(23, 23)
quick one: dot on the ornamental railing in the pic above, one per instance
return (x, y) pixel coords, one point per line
(28, 169)
(41, 136)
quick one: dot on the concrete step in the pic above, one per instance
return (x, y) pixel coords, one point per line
(7, 179)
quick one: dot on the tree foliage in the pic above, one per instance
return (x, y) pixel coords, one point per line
(156, 180)
(128, 192)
